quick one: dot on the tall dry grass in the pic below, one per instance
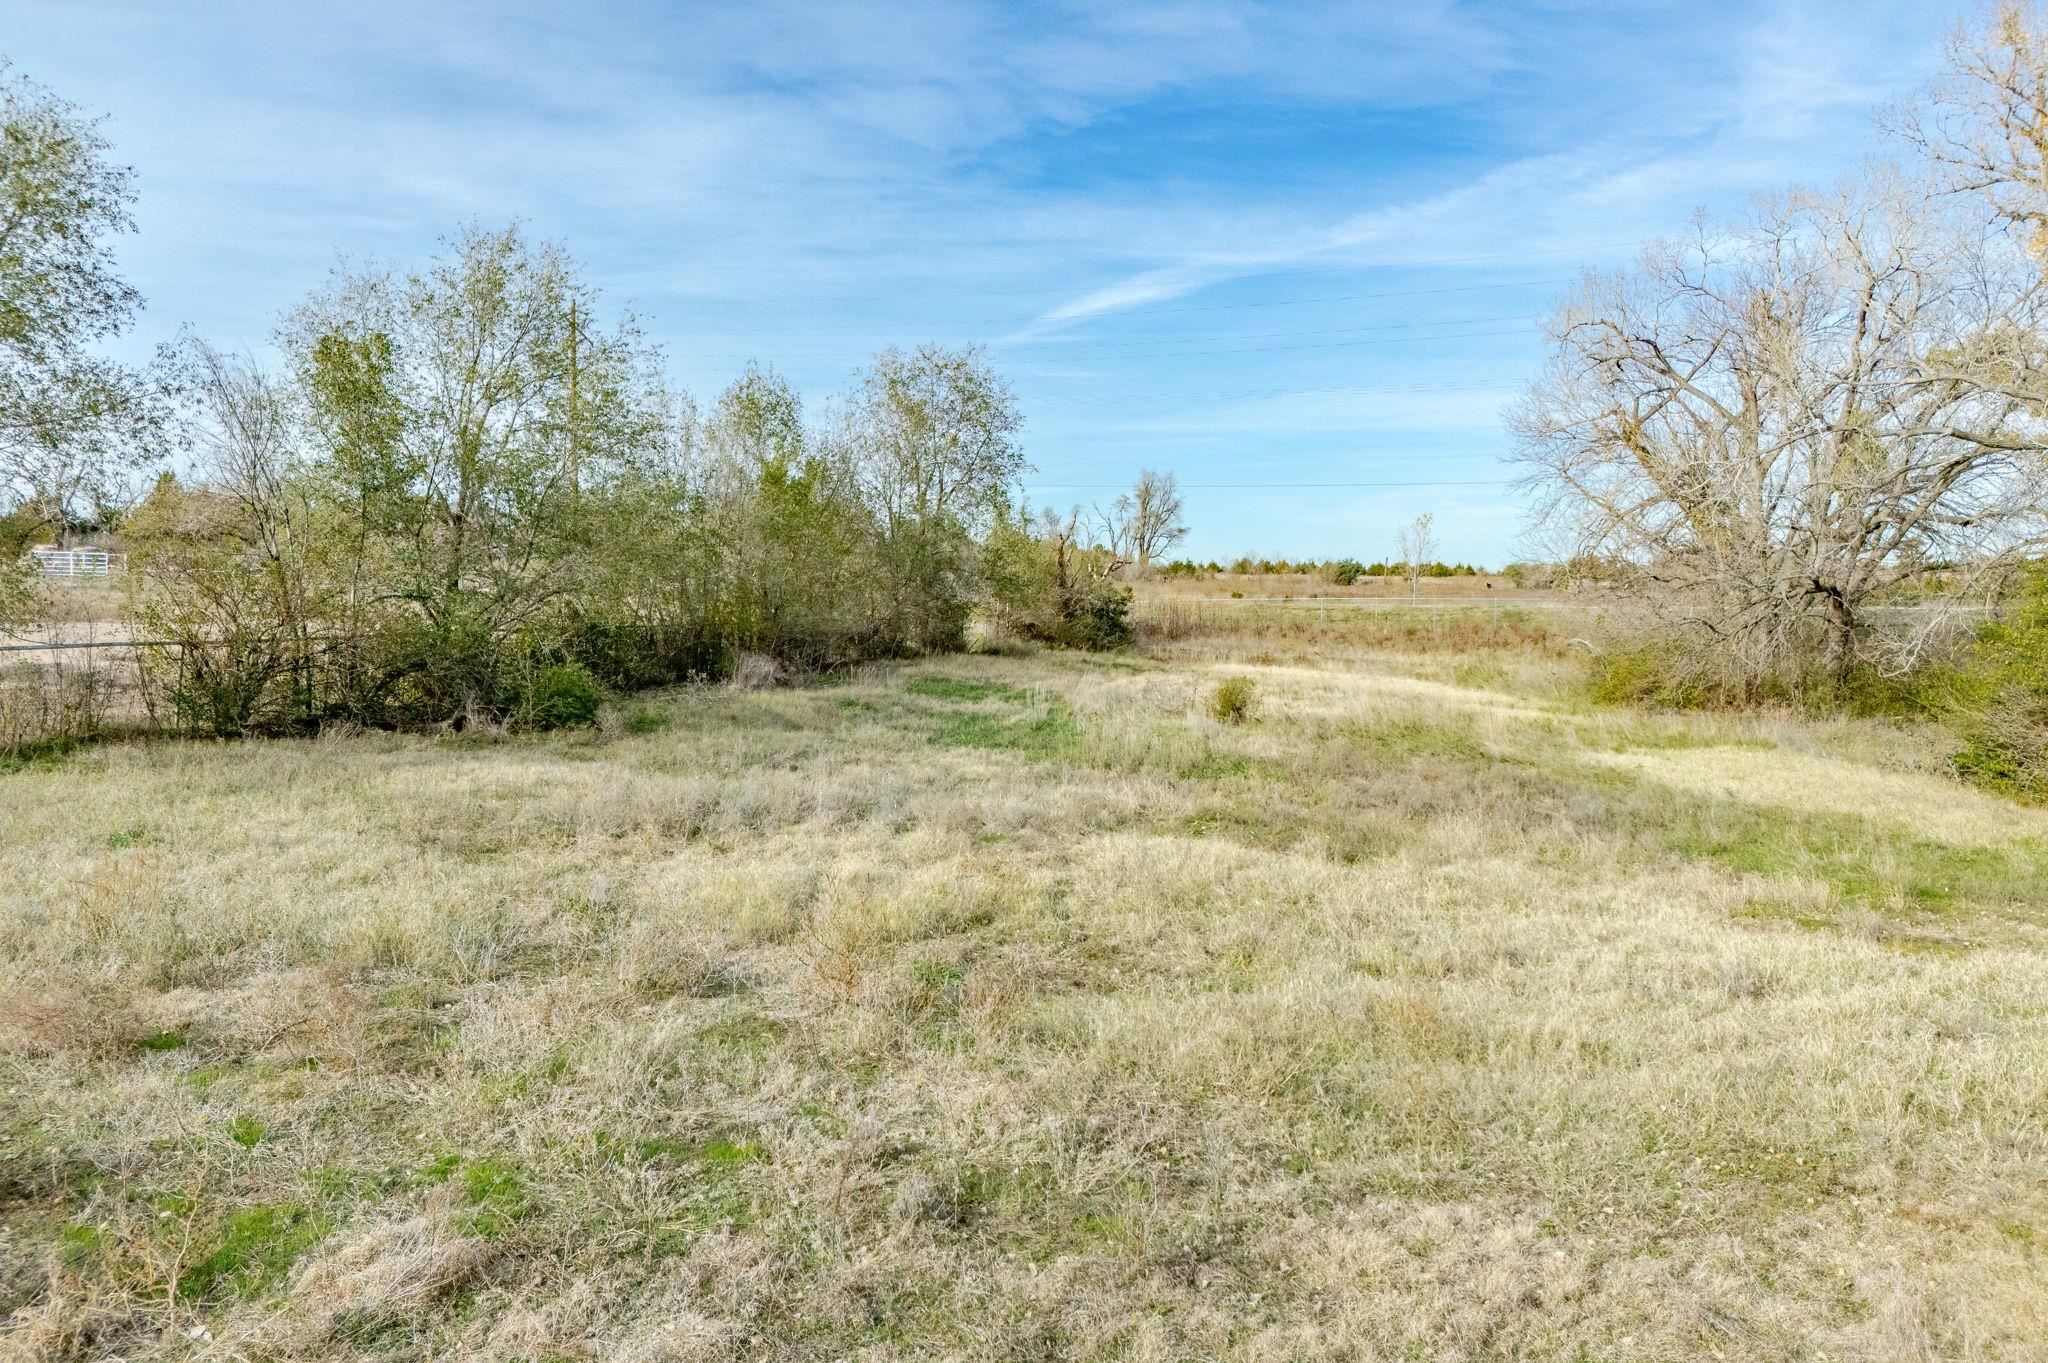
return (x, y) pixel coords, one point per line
(1013, 1007)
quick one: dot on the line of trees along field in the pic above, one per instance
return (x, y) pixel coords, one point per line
(1802, 454)
(460, 498)
(456, 496)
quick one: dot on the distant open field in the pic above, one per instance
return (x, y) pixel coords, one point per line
(1012, 1007)
(1463, 590)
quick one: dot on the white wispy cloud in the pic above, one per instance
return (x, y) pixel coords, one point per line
(1799, 74)
(827, 177)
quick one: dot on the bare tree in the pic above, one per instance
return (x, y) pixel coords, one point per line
(1072, 558)
(233, 571)
(1416, 546)
(1145, 522)
(1983, 124)
(1771, 430)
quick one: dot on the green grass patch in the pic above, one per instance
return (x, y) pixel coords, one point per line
(163, 1041)
(80, 1247)
(715, 1189)
(950, 688)
(745, 1031)
(1649, 738)
(493, 1191)
(721, 1153)
(715, 1152)
(1864, 863)
(1407, 740)
(1050, 734)
(1215, 766)
(255, 1248)
(1778, 911)
(648, 719)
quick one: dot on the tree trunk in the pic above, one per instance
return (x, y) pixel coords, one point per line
(1841, 632)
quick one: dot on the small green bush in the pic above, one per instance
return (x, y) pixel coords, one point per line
(1094, 615)
(1347, 571)
(1234, 700)
(648, 719)
(1999, 699)
(563, 696)
(1642, 676)
(1046, 587)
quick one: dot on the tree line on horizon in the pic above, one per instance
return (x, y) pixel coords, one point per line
(455, 496)
(1803, 453)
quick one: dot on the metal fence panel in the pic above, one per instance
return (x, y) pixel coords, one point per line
(77, 562)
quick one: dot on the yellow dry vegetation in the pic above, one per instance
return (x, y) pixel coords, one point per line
(1013, 1007)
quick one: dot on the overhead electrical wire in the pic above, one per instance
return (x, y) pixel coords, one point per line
(1229, 277)
(1270, 486)
(869, 328)
(1189, 354)
(1228, 396)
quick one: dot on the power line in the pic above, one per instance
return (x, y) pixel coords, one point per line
(869, 328)
(1230, 277)
(1439, 482)
(1190, 354)
(1227, 396)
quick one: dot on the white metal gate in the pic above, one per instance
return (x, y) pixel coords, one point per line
(77, 562)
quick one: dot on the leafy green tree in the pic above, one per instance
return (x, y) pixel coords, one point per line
(2000, 698)
(1045, 584)
(240, 572)
(463, 500)
(797, 541)
(73, 424)
(463, 410)
(933, 434)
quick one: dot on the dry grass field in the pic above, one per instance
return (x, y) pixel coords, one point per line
(1309, 586)
(1012, 1007)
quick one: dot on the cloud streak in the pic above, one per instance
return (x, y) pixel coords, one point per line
(823, 179)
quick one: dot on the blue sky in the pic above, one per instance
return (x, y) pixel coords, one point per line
(1273, 248)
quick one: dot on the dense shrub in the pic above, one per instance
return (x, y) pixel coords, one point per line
(1999, 698)
(1046, 586)
(1669, 674)
(562, 696)
(1095, 614)
(1346, 571)
(1234, 701)
(1645, 674)
(357, 545)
